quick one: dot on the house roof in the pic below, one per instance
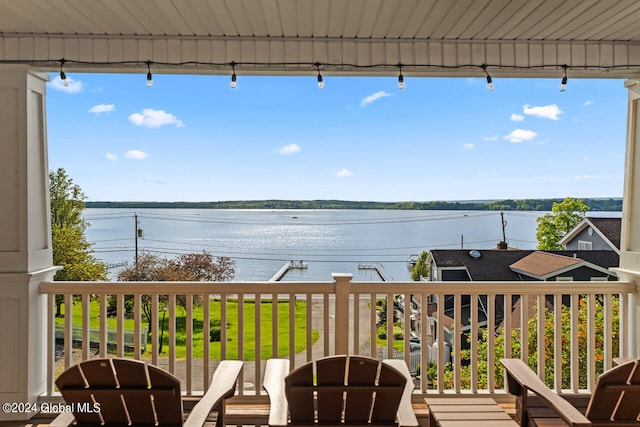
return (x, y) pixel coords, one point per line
(608, 228)
(593, 38)
(501, 265)
(543, 264)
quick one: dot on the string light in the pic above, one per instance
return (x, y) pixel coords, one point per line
(489, 79)
(234, 84)
(563, 85)
(63, 76)
(320, 82)
(621, 70)
(149, 76)
(400, 78)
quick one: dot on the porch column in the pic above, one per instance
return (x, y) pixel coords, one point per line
(25, 237)
(630, 233)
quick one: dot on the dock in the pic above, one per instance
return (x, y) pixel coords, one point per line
(291, 265)
(386, 277)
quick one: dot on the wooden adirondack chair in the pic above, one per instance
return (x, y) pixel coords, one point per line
(348, 390)
(130, 392)
(614, 402)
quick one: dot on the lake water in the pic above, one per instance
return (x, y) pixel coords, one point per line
(328, 241)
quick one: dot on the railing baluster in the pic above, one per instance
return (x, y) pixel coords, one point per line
(356, 323)
(292, 331)
(524, 328)
(102, 330)
(137, 326)
(457, 340)
(241, 340)
(624, 325)
(120, 325)
(274, 325)
(171, 336)
(407, 329)
(557, 337)
(373, 325)
(390, 319)
(491, 338)
(223, 327)
(154, 328)
(473, 307)
(506, 324)
(575, 341)
(206, 340)
(258, 345)
(440, 338)
(326, 314)
(189, 342)
(86, 325)
(309, 327)
(591, 342)
(51, 342)
(425, 329)
(607, 338)
(68, 330)
(541, 299)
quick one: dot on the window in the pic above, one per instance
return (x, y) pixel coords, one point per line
(564, 279)
(584, 246)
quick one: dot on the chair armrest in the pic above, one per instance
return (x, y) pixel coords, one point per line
(273, 383)
(520, 379)
(223, 386)
(406, 416)
(65, 419)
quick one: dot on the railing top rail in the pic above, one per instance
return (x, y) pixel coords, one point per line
(329, 287)
(521, 288)
(180, 288)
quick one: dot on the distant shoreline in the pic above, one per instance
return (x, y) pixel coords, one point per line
(601, 204)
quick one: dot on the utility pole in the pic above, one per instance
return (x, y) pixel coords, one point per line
(504, 232)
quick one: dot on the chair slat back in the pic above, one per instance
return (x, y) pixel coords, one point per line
(350, 390)
(616, 395)
(128, 392)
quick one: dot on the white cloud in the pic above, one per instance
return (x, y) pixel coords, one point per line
(517, 117)
(372, 98)
(587, 103)
(111, 157)
(344, 173)
(136, 155)
(73, 85)
(154, 118)
(102, 108)
(491, 138)
(550, 112)
(520, 135)
(289, 149)
(469, 146)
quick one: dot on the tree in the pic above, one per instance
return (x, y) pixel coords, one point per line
(421, 269)
(554, 226)
(70, 247)
(191, 267)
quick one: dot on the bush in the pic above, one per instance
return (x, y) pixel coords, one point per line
(214, 335)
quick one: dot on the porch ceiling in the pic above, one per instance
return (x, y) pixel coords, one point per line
(594, 38)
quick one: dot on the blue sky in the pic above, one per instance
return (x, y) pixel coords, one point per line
(193, 138)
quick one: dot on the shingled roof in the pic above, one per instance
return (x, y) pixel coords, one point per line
(496, 265)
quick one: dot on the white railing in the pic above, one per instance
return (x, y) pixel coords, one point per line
(341, 316)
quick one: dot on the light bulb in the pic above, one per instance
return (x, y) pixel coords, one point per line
(563, 85)
(63, 77)
(234, 84)
(320, 82)
(149, 79)
(400, 81)
(489, 83)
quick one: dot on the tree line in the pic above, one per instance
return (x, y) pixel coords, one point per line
(541, 205)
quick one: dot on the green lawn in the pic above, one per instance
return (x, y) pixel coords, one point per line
(266, 309)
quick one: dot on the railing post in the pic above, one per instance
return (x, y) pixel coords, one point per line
(341, 324)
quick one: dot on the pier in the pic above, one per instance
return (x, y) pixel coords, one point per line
(291, 265)
(386, 277)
